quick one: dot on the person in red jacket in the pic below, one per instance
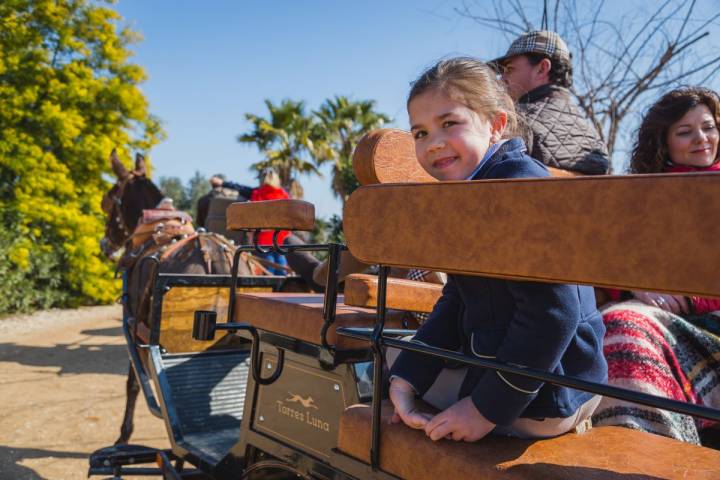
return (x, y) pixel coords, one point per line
(270, 189)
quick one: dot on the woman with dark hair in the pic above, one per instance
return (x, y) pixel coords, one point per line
(652, 341)
(679, 134)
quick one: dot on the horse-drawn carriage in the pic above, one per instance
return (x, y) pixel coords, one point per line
(291, 384)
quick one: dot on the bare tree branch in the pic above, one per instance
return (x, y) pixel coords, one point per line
(619, 60)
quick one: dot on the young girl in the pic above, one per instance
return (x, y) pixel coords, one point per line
(463, 124)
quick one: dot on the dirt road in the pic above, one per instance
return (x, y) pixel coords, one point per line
(62, 391)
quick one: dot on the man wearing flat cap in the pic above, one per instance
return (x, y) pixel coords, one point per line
(537, 70)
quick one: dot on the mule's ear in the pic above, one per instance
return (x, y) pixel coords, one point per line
(139, 164)
(120, 171)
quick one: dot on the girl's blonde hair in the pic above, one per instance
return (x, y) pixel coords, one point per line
(270, 177)
(472, 83)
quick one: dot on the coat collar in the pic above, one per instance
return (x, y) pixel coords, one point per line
(543, 91)
(513, 146)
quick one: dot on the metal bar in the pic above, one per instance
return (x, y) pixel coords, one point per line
(565, 381)
(257, 246)
(140, 373)
(291, 248)
(233, 286)
(193, 280)
(377, 341)
(155, 307)
(331, 292)
(278, 248)
(137, 471)
(160, 288)
(255, 367)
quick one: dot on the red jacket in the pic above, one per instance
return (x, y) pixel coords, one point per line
(686, 168)
(268, 192)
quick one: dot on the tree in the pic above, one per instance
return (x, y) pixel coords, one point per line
(185, 197)
(343, 123)
(620, 64)
(286, 139)
(172, 187)
(197, 186)
(68, 95)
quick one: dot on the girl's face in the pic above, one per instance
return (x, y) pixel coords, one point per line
(450, 138)
(693, 140)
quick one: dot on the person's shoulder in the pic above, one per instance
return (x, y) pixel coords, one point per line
(512, 161)
(521, 167)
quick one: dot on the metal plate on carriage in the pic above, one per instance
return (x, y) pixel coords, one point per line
(301, 408)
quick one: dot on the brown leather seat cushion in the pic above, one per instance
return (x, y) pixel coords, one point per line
(601, 453)
(271, 214)
(299, 315)
(361, 291)
(604, 231)
(387, 155)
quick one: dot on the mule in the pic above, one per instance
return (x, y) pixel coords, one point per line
(192, 253)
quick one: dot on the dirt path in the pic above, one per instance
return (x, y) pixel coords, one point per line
(62, 390)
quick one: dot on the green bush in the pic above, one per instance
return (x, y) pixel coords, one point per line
(40, 285)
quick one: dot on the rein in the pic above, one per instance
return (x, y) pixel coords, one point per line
(117, 203)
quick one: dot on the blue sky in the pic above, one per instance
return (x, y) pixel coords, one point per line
(211, 62)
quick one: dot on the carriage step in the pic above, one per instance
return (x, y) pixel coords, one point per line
(120, 455)
(115, 461)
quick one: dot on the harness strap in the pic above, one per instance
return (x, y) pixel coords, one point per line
(174, 247)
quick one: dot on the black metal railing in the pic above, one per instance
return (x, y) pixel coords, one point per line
(379, 338)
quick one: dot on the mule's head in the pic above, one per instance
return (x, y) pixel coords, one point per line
(132, 193)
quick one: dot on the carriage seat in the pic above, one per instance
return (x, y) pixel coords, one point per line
(402, 294)
(300, 316)
(601, 453)
(271, 214)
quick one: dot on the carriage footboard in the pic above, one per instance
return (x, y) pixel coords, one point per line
(203, 396)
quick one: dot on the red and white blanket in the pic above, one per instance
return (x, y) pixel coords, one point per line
(656, 352)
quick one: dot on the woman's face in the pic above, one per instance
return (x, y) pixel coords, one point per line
(693, 140)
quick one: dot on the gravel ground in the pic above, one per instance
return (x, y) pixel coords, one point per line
(63, 392)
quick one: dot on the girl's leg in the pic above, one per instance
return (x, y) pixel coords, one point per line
(552, 427)
(444, 392)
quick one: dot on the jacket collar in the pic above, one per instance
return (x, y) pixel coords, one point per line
(541, 92)
(513, 146)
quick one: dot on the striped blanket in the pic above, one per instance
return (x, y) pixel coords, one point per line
(656, 352)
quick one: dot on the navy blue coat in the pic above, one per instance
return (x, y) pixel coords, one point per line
(550, 327)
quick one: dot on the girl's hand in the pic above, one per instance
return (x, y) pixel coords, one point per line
(402, 396)
(462, 421)
(672, 303)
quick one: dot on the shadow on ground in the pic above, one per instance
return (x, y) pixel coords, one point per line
(10, 458)
(104, 332)
(71, 358)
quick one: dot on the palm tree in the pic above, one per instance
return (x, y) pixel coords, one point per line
(343, 122)
(286, 139)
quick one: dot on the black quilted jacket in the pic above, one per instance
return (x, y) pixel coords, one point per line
(558, 134)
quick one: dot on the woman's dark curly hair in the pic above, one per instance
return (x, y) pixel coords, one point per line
(650, 153)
